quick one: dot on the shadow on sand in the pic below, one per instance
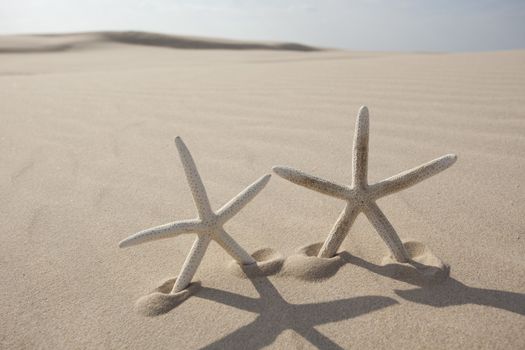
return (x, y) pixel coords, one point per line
(448, 293)
(276, 315)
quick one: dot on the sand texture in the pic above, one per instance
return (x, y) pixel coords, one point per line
(87, 159)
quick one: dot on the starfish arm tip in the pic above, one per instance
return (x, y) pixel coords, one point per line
(182, 149)
(125, 243)
(452, 158)
(238, 202)
(160, 232)
(413, 176)
(257, 186)
(310, 181)
(265, 178)
(282, 171)
(178, 142)
(291, 174)
(447, 160)
(363, 111)
(194, 180)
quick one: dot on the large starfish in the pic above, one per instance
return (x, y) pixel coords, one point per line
(360, 196)
(208, 226)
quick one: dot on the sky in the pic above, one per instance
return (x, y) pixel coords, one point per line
(382, 25)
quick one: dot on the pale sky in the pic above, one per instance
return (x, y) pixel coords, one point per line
(408, 25)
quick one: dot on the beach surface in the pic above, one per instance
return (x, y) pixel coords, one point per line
(88, 158)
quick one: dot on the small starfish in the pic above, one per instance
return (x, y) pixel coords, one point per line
(208, 226)
(361, 197)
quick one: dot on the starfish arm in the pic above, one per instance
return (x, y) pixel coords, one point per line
(386, 231)
(194, 180)
(232, 248)
(360, 149)
(191, 263)
(413, 176)
(312, 182)
(339, 231)
(238, 202)
(160, 232)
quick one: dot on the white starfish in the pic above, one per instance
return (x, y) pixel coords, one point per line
(361, 197)
(208, 226)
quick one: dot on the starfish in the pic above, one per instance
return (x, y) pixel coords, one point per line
(360, 196)
(208, 226)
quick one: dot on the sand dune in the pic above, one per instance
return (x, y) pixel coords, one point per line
(88, 158)
(65, 42)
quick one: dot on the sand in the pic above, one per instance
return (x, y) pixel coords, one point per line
(87, 159)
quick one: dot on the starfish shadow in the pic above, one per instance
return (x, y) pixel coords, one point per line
(451, 292)
(276, 315)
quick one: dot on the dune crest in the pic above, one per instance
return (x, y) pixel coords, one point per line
(75, 41)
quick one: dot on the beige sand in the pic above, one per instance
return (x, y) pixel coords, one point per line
(87, 158)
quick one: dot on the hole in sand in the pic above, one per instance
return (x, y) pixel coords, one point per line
(161, 301)
(268, 262)
(305, 264)
(424, 265)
